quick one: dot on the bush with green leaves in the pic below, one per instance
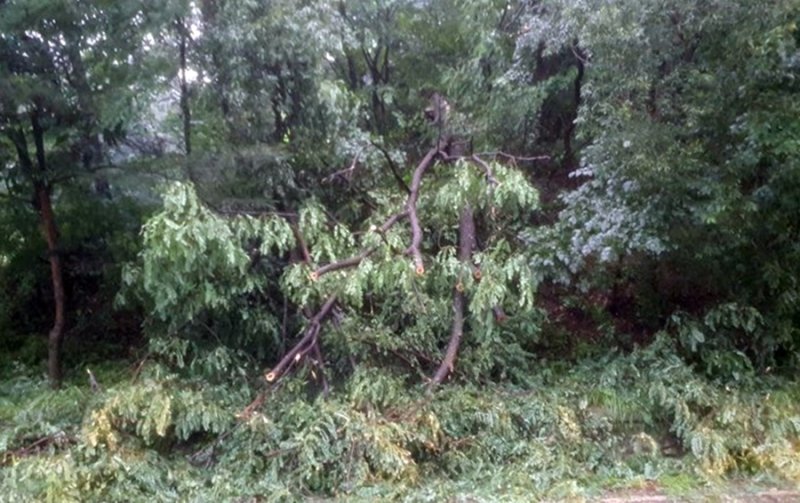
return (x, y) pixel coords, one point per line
(203, 273)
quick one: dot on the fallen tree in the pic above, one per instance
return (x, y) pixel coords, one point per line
(308, 345)
(443, 256)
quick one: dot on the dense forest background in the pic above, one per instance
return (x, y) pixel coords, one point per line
(432, 250)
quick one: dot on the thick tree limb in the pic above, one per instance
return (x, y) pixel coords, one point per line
(466, 245)
(305, 345)
(411, 208)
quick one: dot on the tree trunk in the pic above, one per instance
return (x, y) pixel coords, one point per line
(50, 232)
(186, 112)
(55, 338)
(569, 160)
(466, 245)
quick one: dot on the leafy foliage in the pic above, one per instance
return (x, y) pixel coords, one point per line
(631, 418)
(675, 107)
(232, 300)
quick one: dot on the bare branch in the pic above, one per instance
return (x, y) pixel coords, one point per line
(393, 167)
(389, 223)
(256, 213)
(514, 158)
(342, 264)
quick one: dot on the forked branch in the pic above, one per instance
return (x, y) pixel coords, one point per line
(309, 342)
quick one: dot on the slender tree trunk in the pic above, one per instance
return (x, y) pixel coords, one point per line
(466, 245)
(569, 132)
(186, 112)
(50, 231)
(91, 147)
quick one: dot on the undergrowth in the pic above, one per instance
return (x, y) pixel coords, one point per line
(569, 432)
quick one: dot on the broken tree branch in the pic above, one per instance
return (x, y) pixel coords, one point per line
(466, 245)
(306, 343)
(411, 208)
(309, 341)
